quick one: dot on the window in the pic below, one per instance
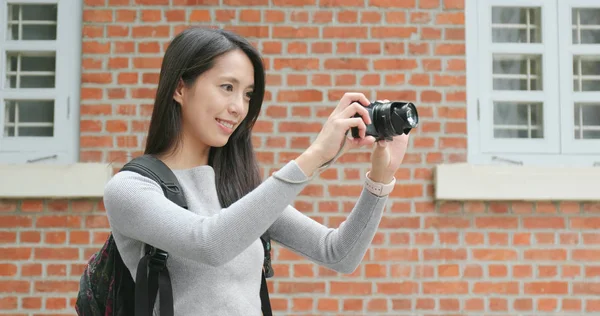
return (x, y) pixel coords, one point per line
(40, 45)
(533, 82)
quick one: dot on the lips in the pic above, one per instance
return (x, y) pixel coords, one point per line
(228, 124)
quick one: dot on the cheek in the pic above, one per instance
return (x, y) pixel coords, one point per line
(195, 112)
(246, 109)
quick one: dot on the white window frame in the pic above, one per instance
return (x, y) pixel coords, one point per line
(62, 148)
(558, 148)
(568, 97)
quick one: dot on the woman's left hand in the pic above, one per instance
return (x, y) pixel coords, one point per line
(387, 157)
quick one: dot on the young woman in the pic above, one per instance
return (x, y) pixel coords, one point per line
(209, 95)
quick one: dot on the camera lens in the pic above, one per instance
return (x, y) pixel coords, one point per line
(389, 119)
(404, 117)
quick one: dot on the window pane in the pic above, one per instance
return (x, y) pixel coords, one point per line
(517, 72)
(37, 12)
(586, 25)
(518, 120)
(32, 21)
(587, 121)
(516, 25)
(29, 118)
(30, 70)
(586, 73)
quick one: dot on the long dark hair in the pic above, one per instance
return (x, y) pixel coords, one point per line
(189, 54)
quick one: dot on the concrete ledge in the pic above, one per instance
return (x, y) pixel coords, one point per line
(462, 182)
(80, 180)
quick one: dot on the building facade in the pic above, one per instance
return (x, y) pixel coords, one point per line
(496, 207)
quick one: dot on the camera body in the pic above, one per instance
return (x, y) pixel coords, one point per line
(389, 119)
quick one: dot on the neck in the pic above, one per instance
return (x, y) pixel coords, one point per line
(186, 157)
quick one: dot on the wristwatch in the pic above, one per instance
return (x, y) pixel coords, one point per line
(377, 188)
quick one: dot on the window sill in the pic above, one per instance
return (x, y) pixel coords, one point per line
(79, 180)
(463, 182)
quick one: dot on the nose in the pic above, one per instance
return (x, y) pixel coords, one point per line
(236, 107)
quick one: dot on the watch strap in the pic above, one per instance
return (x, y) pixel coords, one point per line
(377, 188)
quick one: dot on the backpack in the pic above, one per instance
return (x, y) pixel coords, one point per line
(106, 287)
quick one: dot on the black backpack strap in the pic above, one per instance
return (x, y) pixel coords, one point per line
(266, 273)
(156, 170)
(152, 274)
(264, 297)
(266, 241)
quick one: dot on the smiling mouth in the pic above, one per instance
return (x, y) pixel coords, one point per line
(225, 123)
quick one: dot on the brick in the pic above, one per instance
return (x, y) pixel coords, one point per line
(92, 3)
(150, 31)
(450, 18)
(98, 15)
(8, 269)
(15, 221)
(294, 3)
(58, 237)
(56, 253)
(55, 286)
(395, 64)
(454, 4)
(406, 4)
(450, 49)
(9, 286)
(494, 222)
(341, 3)
(395, 254)
(58, 221)
(7, 303)
(346, 63)
(301, 287)
(544, 223)
(90, 47)
(546, 288)
(350, 288)
(296, 63)
(392, 32)
(300, 96)
(445, 287)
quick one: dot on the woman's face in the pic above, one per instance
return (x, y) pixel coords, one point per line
(216, 104)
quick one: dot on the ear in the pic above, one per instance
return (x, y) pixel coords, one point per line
(179, 91)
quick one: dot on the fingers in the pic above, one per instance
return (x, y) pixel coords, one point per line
(350, 97)
(347, 123)
(355, 108)
(354, 97)
(360, 142)
(367, 141)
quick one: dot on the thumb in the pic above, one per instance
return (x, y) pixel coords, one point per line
(380, 150)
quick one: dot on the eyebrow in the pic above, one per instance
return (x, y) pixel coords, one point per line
(234, 80)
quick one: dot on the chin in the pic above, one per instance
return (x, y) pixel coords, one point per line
(219, 142)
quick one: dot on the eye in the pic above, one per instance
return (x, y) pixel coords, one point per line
(227, 87)
(249, 94)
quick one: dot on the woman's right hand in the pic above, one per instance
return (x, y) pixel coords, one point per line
(330, 139)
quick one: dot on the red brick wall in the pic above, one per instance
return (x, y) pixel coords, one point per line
(461, 258)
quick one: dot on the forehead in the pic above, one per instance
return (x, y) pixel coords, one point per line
(234, 65)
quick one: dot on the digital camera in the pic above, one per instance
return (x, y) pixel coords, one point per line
(389, 119)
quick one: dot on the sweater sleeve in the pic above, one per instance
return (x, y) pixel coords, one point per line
(137, 208)
(341, 249)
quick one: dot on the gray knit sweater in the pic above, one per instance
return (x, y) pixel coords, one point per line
(216, 254)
